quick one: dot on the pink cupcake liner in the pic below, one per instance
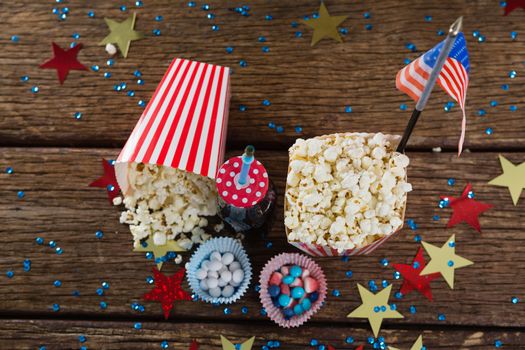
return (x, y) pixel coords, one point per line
(274, 264)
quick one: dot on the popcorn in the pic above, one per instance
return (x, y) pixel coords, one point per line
(345, 190)
(169, 204)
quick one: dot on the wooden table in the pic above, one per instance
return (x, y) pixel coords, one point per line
(55, 157)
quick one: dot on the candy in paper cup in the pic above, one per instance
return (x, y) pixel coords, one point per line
(184, 124)
(274, 264)
(222, 245)
(314, 249)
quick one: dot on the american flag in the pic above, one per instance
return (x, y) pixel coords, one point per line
(453, 78)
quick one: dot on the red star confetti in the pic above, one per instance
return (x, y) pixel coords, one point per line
(330, 347)
(167, 290)
(466, 209)
(108, 181)
(64, 61)
(360, 347)
(412, 279)
(512, 5)
(194, 345)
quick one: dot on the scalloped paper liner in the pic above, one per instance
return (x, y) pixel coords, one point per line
(314, 249)
(274, 264)
(222, 245)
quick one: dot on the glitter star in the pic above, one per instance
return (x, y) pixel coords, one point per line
(159, 251)
(194, 345)
(513, 177)
(375, 307)
(325, 26)
(444, 260)
(167, 290)
(64, 61)
(122, 34)
(418, 345)
(412, 278)
(466, 209)
(108, 181)
(512, 5)
(227, 345)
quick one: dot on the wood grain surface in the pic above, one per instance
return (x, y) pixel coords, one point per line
(55, 157)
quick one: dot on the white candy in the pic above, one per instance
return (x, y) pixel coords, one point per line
(227, 291)
(227, 258)
(111, 49)
(234, 266)
(226, 276)
(215, 265)
(204, 285)
(215, 292)
(238, 276)
(201, 274)
(215, 256)
(213, 274)
(212, 282)
(222, 283)
(205, 265)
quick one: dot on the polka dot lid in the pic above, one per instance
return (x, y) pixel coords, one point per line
(242, 196)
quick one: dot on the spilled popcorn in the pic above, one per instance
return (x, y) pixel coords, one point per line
(169, 204)
(345, 191)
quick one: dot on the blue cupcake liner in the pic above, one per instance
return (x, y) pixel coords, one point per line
(222, 245)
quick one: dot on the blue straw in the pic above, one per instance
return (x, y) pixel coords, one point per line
(247, 160)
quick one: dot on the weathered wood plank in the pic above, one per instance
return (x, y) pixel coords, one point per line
(56, 334)
(307, 86)
(61, 207)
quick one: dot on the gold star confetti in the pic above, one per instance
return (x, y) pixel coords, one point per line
(159, 251)
(444, 260)
(418, 345)
(227, 345)
(122, 34)
(325, 26)
(513, 177)
(374, 307)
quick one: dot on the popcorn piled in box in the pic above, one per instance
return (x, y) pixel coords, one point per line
(168, 204)
(346, 193)
(167, 168)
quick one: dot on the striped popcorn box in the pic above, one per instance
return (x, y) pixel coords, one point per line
(370, 245)
(184, 124)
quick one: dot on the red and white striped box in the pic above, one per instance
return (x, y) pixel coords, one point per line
(184, 124)
(325, 250)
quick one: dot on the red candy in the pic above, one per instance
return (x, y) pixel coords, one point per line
(297, 283)
(276, 278)
(285, 270)
(310, 285)
(285, 289)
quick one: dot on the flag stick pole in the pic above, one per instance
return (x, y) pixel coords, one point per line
(454, 30)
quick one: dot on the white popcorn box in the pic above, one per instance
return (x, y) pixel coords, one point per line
(184, 124)
(325, 250)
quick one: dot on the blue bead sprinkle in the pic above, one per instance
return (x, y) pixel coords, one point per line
(9, 170)
(265, 49)
(435, 218)
(513, 108)
(513, 35)
(82, 338)
(39, 240)
(24, 78)
(150, 280)
(515, 300)
(403, 107)
(52, 244)
(56, 307)
(279, 129)
(192, 4)
(451, 181)
(95, 68)
(107, 75)
(164, 344)
(513, 74)
(159, 18)
(384, 262)
(137, 325)
(482, 112)
(336, 293)
(396, 275)
(139, 3)
(367, 15)
(314, 342)
(349, 340)
(105, 285)
(493, 103)
(141, 103)
(368, 27)
(441, 317)
(100, 291)
(505, 87)
(103, 305)
(9, 274)
(268, 17)
(99, 234)
(215, 27)
(20, 194)
(348, 109)
(298, 129)
(57, 283)
(489, 131)
(15, 38)
(156, 32)
(349, 273)
(440, 32)
(244, 310)
(35, 89)
(123, 8)
(58, 250)
(227, 311)
(77, 115)
(428, 18)
(498, 343)
(266, 103)
(298, 34)
(91, 14)
(413, 309)
(243, 63)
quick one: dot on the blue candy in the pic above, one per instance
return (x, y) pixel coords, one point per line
(284, 300)
(288, 279)
(275, 302)
(297, 292)
(298, 309)
(314, 296)
(274, 290)
(296, 271)
(306, 304)
(288, 312)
